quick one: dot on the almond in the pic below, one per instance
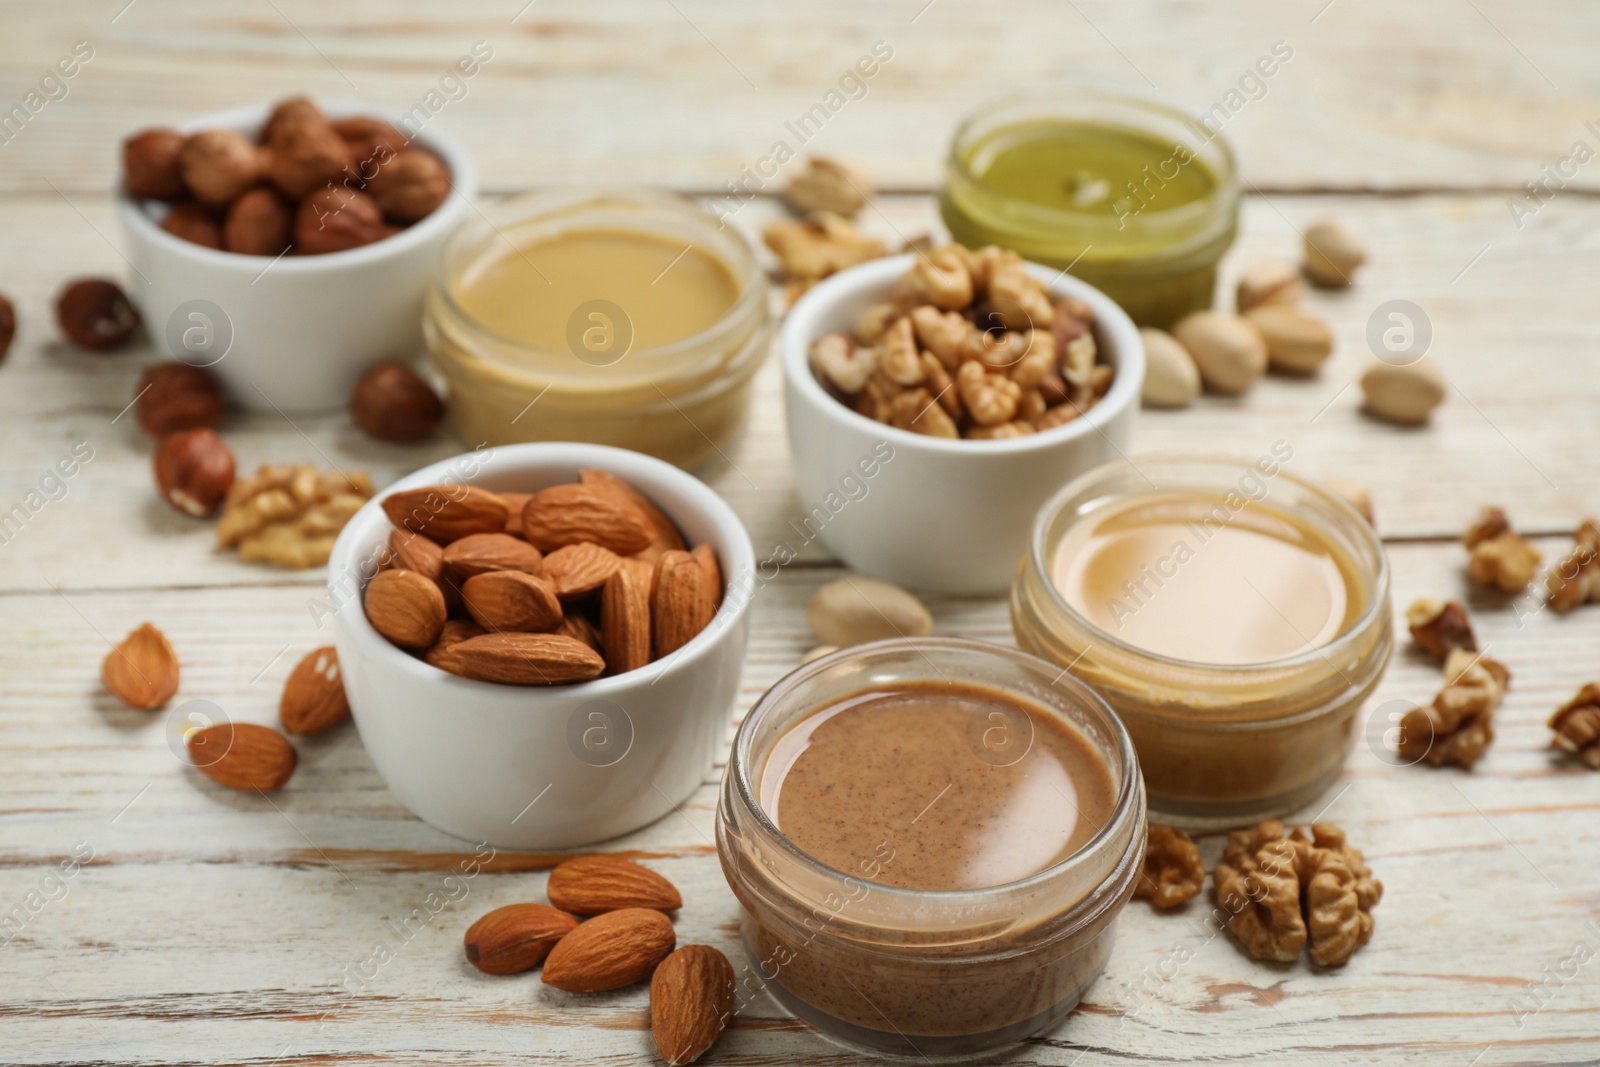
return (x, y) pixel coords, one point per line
(481, 553)
(446, 513)
(706, 556)
(455, 631)
(413, 552)
(527, 659)
(142, 671)
(405, 607)
(511, 601)
(691, 1001)
(625, 620)
(313, 697)
(590, 885)
(681, 602)
(516, 937)
(243, 755)
(610, 951)
(571, 514)
(579, 628)
(667, 536)
(578, 570)
(514, 504)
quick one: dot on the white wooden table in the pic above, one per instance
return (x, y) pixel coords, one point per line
(216, 927)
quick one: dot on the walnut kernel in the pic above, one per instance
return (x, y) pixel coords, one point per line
(1173, 872)
(290, 516)
(1577, 725)
(1576, 579)
(1458, 726)
(1439, 626)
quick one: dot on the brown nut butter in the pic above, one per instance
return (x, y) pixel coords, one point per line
(931, 840)
(1235, 616)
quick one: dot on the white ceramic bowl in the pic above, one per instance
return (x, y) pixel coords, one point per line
(545, 767)
(939, 515)
(292, 334)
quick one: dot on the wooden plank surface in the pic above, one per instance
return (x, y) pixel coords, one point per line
(211, 927)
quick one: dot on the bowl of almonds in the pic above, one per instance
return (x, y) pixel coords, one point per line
(288, 247)
(935, 401)
(542, 643)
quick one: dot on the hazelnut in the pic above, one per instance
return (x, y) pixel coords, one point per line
(8, 325)
(336, 219)
(218, 165)
(411, 185)
(96, 314)
(392, 403)
(305, 153)
(371, 143)
(150, 164)
(260, 223)
(176, 396)
(194, 470)
(194, 223)
(1333, 254)
(294, 109)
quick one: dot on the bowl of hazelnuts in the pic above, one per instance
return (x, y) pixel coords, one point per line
(288, 247)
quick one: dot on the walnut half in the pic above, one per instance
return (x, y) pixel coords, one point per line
(1458, 726)
(290, 516)
(1577, 725)
(1287, 890)
(1173, 872)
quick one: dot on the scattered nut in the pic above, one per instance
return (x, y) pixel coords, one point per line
(1576, 579)
(141, 671)
(691, 1002)
(243, 756)
(1173, 872)
(392, 402)
(516, 938)
(1499, 557)
(594, 885)
(8, 325)
(857, 609)
(1269, 283)
(1286, 889)
(1171, 379)
(1332, 254)
(1406, 394)
(335, 220)
(410, 186)
(821, 245)
(1458, 726)
(1297, 341)
(1228, 351)
(829, 185)
(314, 700)
(1577, 725)
(610, 951)
(96, 314)
(219, 165)
(194, 223)
(1439, 627)
(290, 516)
(259, 223)
(1356, 495)
(175, 396)
(150, 166)
(194, 470)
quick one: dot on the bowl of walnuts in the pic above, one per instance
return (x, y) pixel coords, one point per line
(288, 247)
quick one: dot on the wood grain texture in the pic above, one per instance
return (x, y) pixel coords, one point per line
(1425, 94)
(324, 923)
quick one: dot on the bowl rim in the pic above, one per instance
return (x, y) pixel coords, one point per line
(634, 467)
(444, 219)
(880, 274)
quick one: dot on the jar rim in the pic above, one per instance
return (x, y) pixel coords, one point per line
(553, 204)
(741, 769)
(1061, 103)
(1378, 601)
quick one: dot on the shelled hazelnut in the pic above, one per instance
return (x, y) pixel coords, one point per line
(194, 470)
(312, 185)
(176, 396)
(96, 314)
(392, 403)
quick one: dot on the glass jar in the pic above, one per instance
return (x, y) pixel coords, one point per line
(1219, 745)
(1109, 158)
(684, 402)
(913, 971)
